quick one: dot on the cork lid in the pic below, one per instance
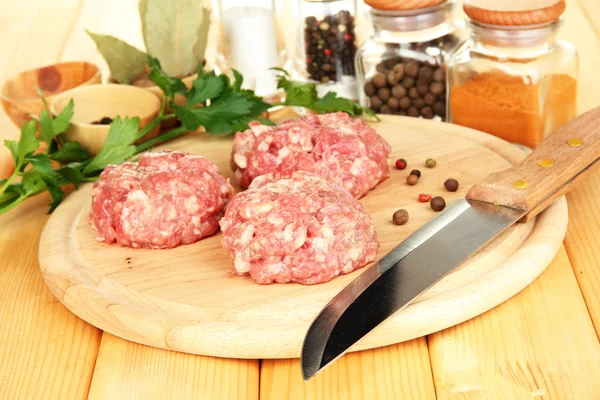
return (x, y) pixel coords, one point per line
(514, 12)
(402, 5)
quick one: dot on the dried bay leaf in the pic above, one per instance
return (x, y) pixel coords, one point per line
(175, 32)
(201, 38)
(126, 62)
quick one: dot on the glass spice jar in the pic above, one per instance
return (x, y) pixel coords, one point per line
(401, 69)
(250, 42)
(327, 45)
(513, 78)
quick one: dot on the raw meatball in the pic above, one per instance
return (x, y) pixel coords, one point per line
(166, 199)
(300, 229)
(341, 149)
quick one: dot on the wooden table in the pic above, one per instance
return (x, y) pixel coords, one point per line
(541, 344)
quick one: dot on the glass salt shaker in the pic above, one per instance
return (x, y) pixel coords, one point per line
(401, 69)
(327, 45)
(514, 78)
(250, 42)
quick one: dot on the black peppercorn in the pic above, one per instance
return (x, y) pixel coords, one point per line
(423, 89)
(413, 93)
(404, 103)
(400, 217)
(379, 80)
(407, 82)
(425, 74)
(399, 91)
(439, 75)
(439, 108)
(429, 98)
(451, 185)
(412, 69)
(376, 102)
(399, 70)
(392, 78)
(437, 203)
(369, 89)
(419, 103)
(412, 179)
(413, 111)
(437, 88)
(384, 94)
(416, 172)
(427, 112)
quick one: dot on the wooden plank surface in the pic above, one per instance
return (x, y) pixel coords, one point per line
(400, 371)
(45, 351)
(126, 370)
(539, 344)
(583, 235)
(539, 340)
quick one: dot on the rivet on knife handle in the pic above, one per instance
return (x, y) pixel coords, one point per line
(551, 170)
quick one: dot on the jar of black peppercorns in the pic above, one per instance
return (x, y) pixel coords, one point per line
(401, 69)
(327, 45)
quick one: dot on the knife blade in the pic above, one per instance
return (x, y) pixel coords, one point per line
(443, 243)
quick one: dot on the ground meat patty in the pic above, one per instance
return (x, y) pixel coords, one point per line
(344, 150)
(300, 229)
(164, 200)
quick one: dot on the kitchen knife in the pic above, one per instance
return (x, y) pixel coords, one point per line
(518, 194)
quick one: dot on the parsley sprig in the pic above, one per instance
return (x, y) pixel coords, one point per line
(214, 102)
(303, 94)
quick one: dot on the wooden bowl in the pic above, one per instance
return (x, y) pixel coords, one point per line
(95, 102)
(20, 99)
(148, 85)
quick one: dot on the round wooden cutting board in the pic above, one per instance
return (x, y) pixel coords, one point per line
(186, 299)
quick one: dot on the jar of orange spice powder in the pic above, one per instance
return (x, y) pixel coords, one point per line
(513, 78)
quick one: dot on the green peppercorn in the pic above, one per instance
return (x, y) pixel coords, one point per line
(430, 163)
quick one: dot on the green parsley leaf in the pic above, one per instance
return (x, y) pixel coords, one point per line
(239, 80)
(297, 93)
(46, 129)
(56, 192)
(61, 122)
(69, 152)
(118, 145)
(32, 182)
(71, 173)
(49, 128)
(207, 87)
(13, 146)
(41, 163)
(217, 118)
(12, 193)
(28, 143)
(302, 94)
(168, 84)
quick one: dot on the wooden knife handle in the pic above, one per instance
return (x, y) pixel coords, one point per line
(561, 161)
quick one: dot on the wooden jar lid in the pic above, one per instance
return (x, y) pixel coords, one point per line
(514, 12)
(401, 5)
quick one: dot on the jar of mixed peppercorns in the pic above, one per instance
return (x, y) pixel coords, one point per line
(327, 45)
(401, 69)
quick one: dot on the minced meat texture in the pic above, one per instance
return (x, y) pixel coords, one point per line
(300, 229)
(166, 199)
(335, 146)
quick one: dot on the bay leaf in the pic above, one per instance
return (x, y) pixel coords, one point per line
(126, 62)
(175, 32)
